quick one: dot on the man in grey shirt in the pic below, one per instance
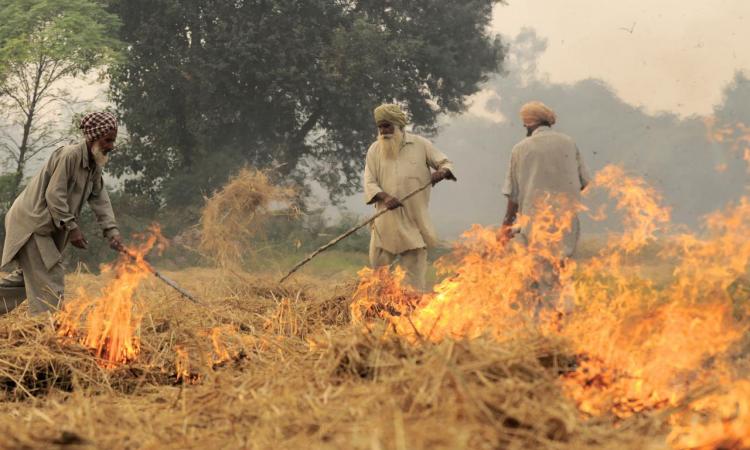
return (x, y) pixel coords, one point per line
(546, 166)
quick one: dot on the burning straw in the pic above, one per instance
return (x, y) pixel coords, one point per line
(639, 348)
(237, 213)
(635, 365)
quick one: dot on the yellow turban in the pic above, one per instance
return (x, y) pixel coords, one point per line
(390, 113)
(538, 112)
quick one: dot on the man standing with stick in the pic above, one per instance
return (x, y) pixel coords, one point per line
(397, 164)
(45, 217)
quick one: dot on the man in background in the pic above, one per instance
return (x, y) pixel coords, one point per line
(397, 164)
(545, 165)
(45, 217)
(546, 173)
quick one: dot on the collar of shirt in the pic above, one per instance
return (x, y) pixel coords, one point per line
(541, 129)
(408, 138)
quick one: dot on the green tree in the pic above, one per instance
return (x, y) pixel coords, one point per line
(43, 43)
(210, 85)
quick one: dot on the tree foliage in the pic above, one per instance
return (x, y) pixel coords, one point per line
(210, 85)
(42, 44)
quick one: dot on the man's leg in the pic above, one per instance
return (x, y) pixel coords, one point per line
(546, 288)
(44, 288)
(11, 298)
(12, 291)
(380, 257)
(414, 262)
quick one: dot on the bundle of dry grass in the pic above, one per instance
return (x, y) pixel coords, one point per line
(236, 214)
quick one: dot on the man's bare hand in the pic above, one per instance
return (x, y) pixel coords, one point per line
(115, 243)
(392, 202)
(437, 176)
(440, 175)
(505, 233)
(77, 239)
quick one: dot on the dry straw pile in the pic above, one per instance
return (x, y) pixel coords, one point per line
(237, 213)
(269, 368)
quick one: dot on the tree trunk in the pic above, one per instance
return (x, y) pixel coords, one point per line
(22, 154)
(27, 127)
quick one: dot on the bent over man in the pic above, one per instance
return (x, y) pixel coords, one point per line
(397, 164)
(45, 216)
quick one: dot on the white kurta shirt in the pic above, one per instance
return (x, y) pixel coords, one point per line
(409, 227)
(547, 162)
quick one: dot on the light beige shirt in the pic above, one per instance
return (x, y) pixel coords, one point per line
(50, 205)
(546, 162)
(409, 227)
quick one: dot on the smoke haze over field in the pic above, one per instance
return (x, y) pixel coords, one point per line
(672, 152)
(632, 82)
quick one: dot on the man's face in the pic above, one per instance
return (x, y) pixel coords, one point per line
(101, 148)
(107, 142)
(386, 129)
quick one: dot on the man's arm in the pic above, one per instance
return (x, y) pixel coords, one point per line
(442, 166)
(373, 191)
(511, 212)
(56, 197)
(583, 171)
(510, 190)
(102, 207)
(370, 179)
(56, 194)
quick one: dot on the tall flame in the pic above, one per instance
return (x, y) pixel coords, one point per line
(640, 346)
(108, 323)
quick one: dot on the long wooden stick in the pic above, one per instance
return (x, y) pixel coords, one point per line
(168, 281)
(349, 233)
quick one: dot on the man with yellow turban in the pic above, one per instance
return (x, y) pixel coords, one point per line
(45, 217)
(397, 164)
(545, 165)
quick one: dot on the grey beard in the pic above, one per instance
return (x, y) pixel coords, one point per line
(391, 144)
(99, 157)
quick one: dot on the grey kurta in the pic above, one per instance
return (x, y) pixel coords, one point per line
(546, 162)
(410, 227)
(50, 205)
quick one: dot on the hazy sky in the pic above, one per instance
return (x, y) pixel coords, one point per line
(679, 56)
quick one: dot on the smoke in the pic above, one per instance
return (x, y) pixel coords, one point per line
(672, 153)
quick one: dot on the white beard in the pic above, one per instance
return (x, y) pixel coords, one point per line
(390, 144)
(99, 157)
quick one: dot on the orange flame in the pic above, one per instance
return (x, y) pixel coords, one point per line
(639, 346)
(720, 421)
(108, 324)
(220, 337)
